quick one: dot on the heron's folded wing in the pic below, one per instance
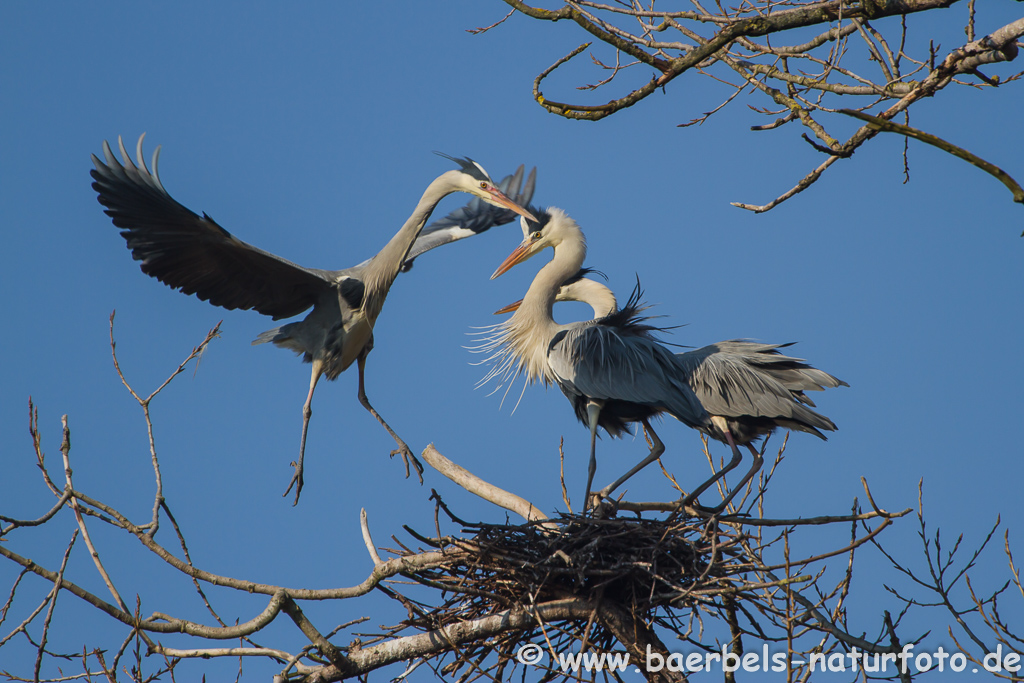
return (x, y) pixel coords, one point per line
(598, 362)
(728, 382)
(193, 253)
(793, 373)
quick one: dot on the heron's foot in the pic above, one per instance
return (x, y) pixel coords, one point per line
(603, 507)
(606, 492)
(408, 457)
(403, 448)
(697, 507)
(296, 482)
(689, 502)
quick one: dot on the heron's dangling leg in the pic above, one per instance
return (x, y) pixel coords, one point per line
(736, 458)
(402, 447)
(593, 412)
(657, 449)
(307, 412)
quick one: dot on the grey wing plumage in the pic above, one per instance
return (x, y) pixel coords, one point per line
(193, 253)
(597, 361)
(474, 218)
(793, 373)
(737, 379)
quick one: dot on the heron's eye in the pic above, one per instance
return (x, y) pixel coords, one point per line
(535, 236)
(483, 185)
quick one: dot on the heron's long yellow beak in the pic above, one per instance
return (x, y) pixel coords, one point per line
(511, 308)
(499, 197)
(518, 255)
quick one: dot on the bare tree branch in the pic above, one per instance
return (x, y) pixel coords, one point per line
(804, 78)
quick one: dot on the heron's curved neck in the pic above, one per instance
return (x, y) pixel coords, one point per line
(522, 341)
(383, 268)
(597, 296)
(536, 309)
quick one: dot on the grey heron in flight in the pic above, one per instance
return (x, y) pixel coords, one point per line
(748, 388)
(612, 369)
(195, 255)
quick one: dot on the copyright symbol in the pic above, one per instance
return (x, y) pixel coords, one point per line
(530, 654)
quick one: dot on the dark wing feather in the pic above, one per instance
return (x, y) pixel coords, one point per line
(475, 217)
(582, 273)
(630, 319)
(193, 253)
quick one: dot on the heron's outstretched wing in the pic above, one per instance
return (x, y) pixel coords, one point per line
(730, 380)
(475, 217)
(191, 252)
(599, 362)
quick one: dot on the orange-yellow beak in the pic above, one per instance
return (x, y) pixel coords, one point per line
(518, 255)
(499, 197)
(511, 308)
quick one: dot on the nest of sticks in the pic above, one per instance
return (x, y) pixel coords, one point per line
(656, 570)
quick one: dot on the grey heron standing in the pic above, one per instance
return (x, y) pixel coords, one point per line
(611, 369)
(195, 255)
(748, 388)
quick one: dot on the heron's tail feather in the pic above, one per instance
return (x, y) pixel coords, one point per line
(287, 337)
(268, 336)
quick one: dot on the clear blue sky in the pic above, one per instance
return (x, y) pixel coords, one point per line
(307, 130)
